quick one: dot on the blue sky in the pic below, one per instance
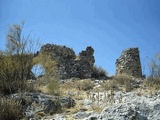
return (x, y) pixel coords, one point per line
(109, 26)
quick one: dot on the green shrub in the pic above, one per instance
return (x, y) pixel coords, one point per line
(13, 74)
(51, 77)
(14, 86)
(10, 109)
(15, 67)
(53, 86)
(99, 73)
(16, 62)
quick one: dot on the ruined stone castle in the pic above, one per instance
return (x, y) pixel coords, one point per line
(69, 65)
(129, 63)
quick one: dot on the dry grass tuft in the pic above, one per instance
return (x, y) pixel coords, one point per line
(118, 82)
(153, 83)
(10, 109)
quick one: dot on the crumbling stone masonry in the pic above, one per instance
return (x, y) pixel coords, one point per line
(129, 63)
(69, 65)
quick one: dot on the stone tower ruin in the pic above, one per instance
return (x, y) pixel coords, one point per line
(71, 65)
(129, 63)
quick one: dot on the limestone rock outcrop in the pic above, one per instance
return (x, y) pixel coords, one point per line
(70, 65)
(124, 106)
(129, 63)
(132, 107)
(36, 103)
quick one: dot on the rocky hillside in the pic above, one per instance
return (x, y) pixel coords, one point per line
(90, 99)
(77, 95)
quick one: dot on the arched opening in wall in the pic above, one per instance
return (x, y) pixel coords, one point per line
(38, 70)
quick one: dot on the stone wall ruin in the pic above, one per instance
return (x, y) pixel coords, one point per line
(69, 65)
(129, 63)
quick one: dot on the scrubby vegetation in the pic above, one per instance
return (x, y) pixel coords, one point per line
(10, 109)
(85, 85)
(99, 73)
(153, 81)
(15, 68)
(123, 81)
(14, 71)
(16, 62)
(51, 77)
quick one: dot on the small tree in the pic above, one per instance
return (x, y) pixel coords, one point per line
(21, 49)
(17, 61)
